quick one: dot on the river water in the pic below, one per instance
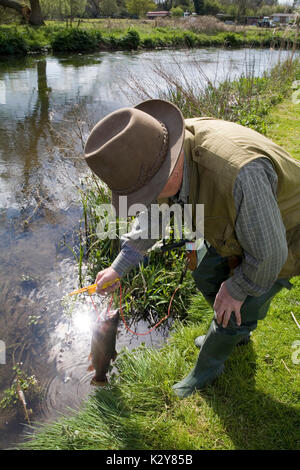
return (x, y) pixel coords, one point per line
(41, 100)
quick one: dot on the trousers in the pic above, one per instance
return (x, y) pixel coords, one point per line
(213, 270)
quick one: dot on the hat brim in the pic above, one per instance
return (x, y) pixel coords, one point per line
(172, 118)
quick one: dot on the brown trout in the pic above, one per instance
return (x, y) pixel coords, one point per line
(103, 347)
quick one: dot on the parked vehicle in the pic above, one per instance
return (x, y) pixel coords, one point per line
(265, 22)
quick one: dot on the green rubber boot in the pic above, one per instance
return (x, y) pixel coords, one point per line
(200, 339)
(216, 348)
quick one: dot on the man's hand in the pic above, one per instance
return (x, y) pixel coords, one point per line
(224, 305)
(104, 276)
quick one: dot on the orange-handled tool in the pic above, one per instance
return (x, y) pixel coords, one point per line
(92, 288)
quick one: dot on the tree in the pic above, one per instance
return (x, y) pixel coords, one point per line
(92, 8)
(108, 7)
(31, 14)
(72, 8)
(177, 12)
(212, 7)
(36, 13)
(166, 5)
(199, 6)
(140, 7)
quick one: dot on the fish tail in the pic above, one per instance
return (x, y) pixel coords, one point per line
(100, 383)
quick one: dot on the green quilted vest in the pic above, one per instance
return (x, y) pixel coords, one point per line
(216, 150)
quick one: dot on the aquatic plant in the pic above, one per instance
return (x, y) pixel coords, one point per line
(25, 390)
(33, 320)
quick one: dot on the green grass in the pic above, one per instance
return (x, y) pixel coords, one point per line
(284, 124)
(285, 127)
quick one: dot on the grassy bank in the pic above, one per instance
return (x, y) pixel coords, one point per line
(136, 34)
(255, 403)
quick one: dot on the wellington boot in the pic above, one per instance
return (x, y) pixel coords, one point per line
(216, 348)
(200, 339)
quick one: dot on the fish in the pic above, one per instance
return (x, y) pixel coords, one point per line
(103, 345)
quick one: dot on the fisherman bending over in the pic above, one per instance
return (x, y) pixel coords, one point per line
(250, 188)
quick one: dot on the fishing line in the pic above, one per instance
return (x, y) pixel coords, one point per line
(123, 317)
(108, 308)
(121, 309)
(156, 325)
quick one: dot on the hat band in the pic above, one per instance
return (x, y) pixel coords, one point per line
(147, 172)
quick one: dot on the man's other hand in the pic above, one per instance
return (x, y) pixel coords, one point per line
(224, 305)
(104, 276)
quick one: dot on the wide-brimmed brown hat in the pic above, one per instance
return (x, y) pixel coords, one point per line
(134, 150)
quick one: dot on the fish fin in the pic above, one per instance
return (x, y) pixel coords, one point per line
(91, 367)
(98, 383)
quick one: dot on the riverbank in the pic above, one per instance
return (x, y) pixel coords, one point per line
(254, 405)
(123, 35)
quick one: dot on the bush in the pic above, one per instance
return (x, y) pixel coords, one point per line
(131, 40)
(232, 40)
(12, 43)
(112, 42)
(149, 43)
(177, 12)
(74, 40)
(190, 39)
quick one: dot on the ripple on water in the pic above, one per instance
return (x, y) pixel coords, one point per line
(70, 341)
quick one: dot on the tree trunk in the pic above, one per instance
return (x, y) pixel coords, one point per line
(36, 18)
(33, 15)
(199, 6)
(23, 9)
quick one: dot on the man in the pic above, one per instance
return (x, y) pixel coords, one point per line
(250, 188)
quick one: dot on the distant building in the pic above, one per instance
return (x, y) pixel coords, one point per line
(232, 19)
(157, 14)
(282, 18)
(225, 17)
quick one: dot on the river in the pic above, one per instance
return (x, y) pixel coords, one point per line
(41, 100)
